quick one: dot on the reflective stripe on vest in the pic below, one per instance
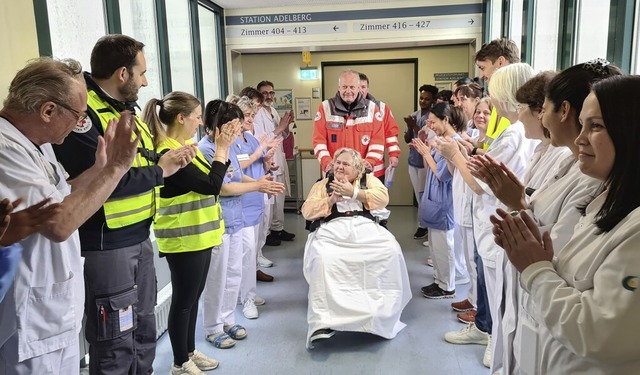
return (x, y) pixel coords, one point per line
(191, 221)
(124, 211)
(495, 127)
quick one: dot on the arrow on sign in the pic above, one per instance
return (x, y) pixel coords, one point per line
(335, 28)
(470, 22)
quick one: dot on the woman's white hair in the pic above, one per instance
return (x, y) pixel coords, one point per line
(506, 81)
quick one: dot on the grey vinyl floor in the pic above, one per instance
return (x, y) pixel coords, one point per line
(276, 340)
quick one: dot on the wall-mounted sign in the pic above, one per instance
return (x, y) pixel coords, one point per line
(450, 76)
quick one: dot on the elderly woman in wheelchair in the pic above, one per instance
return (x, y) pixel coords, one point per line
(356, 272)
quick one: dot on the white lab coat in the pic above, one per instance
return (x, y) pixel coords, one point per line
(514, 150)
(544, 164)
(266, 122)
(44, 307)
(542, 171)
(556, 210)
(586, 300)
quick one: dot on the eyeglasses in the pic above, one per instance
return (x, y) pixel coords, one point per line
(268, 93)
(81, 115)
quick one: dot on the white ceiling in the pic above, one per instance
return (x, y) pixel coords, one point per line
(241, 4)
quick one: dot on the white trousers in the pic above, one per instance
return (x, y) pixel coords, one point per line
(458, 256)
(463, 242)
(490, 280)
(62, 361)
(442, 254)
(249, 264)
(263, 229)
(277, 216)
(220, 295)
(418, 177)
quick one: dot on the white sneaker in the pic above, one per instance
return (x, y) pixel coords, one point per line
(425, 243)
(486, 359)
(468, 335)
(259, 301)
(249, 309)
(264, 262)
(203, 362)
(429, 262)
(187, 368)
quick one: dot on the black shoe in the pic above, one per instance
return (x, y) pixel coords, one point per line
(322, 334)
(426, 289)
(273, 240)
(438, 293)
(421, 233)
(283, 235)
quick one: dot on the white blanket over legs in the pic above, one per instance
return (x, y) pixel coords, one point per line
(357, 277)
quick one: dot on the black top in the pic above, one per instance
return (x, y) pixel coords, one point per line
(77, 154)
(359, 107)
(191, 178)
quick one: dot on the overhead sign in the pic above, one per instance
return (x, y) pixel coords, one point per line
(286, 30)
(415, 24)
(350, 15)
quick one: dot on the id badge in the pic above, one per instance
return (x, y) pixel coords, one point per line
(126, 318)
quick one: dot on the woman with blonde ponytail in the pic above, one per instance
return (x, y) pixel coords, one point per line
(189, 219)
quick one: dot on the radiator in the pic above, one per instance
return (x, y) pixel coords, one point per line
(162, 310)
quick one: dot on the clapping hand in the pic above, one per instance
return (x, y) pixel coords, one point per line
(268, 186)
(228, 134)
(423, 148)
(119, 145)
(503, 183)
(466, 146)
(448, 148)
(519, 236)
(342, 187)
(15, 226)
(411, 122)
(172, 160)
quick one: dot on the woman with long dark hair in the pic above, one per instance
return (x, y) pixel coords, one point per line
(585, 292)
(225, 272)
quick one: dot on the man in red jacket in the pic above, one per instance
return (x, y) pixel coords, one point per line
(349, 120)
(390, 129)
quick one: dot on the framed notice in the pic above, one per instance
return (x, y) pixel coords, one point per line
(303, 109)
(283, 101)
(443, 86)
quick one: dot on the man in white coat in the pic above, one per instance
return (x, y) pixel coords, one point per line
(275, 126)
(41, 316)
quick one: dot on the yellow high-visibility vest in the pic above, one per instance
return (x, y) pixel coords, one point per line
(191, 221)
(124, 211)
(495, 127)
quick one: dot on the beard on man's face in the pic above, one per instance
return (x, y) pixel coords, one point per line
(130, 91)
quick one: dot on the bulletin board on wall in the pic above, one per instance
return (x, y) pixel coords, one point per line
(283, 100)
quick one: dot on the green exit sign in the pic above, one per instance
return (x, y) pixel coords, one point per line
(308, 74)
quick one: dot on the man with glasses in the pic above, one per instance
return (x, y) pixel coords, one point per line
(119, 272)
(41, 316)
(272, 124)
